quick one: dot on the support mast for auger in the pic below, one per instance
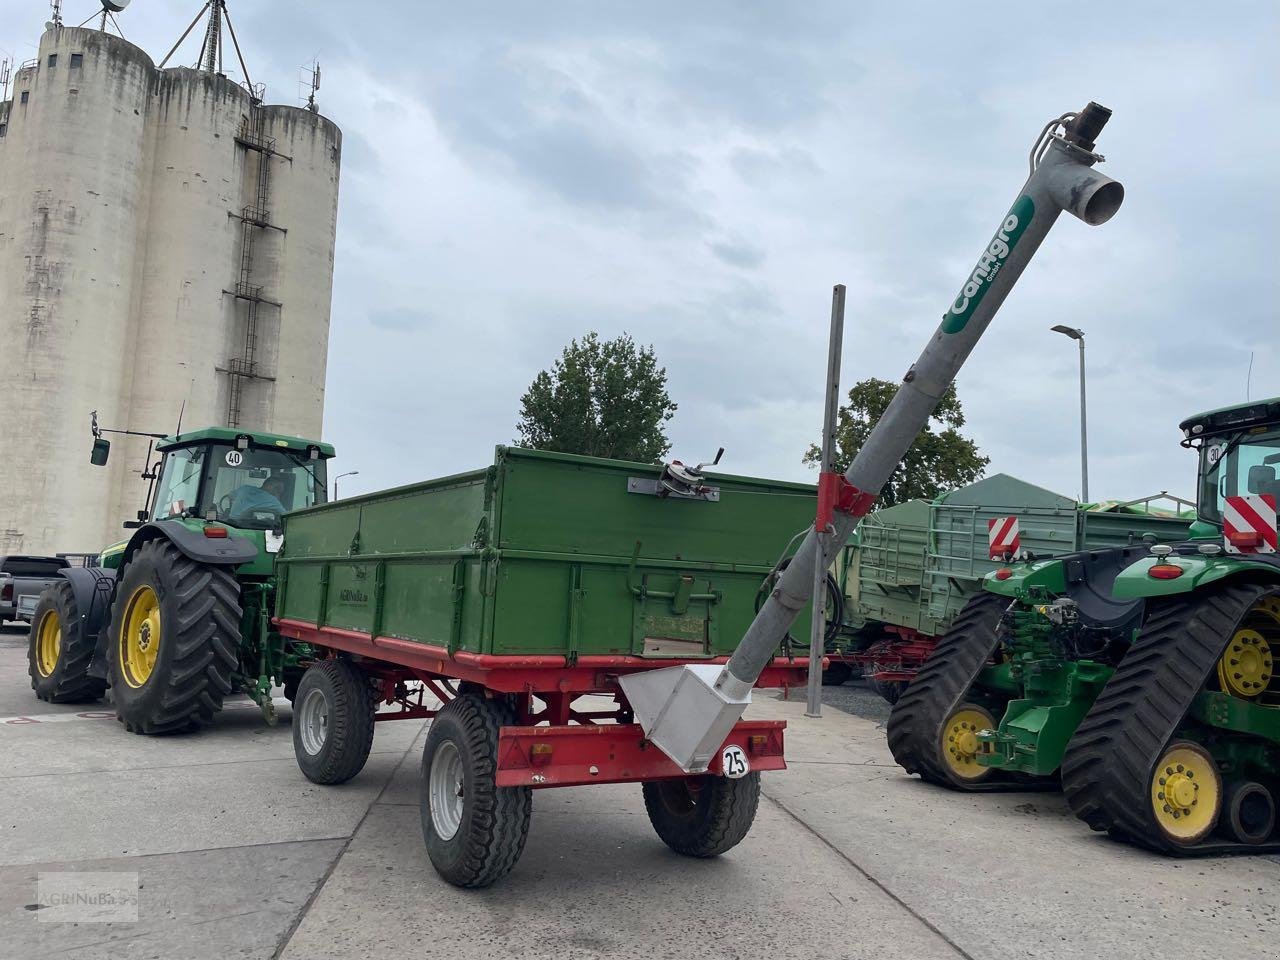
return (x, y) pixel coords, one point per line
(689, 710)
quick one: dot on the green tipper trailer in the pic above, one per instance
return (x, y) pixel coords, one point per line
(518, 595)
(920, 562)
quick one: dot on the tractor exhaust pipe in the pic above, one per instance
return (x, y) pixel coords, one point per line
(688, 711)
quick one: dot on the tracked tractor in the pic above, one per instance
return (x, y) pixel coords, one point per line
(1144, 676)
(178, 616)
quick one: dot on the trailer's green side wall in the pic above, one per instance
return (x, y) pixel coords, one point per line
(535, 556)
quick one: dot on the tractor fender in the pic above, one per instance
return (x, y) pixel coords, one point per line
(1198, 571)
(223, 551)
(93, 589)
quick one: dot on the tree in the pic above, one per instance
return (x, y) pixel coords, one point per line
(938, 460)
(603, 398)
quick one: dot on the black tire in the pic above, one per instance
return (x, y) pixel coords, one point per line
(702, 816)
(494, 821)
(890, 690)
(68, 681)
(837, 674)
(198, 645)
(344, 699)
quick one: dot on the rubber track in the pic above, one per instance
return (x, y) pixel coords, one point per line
(1107, 768)
(206, 639)
(941, 685)
(74, 683)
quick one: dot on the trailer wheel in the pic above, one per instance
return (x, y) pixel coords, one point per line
(702, 816)
(474, 830)
(890, 690)
(837, 674)
(333, 721)
(59, 652)
(175, 640)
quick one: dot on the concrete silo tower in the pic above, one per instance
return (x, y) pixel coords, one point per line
(166, 247)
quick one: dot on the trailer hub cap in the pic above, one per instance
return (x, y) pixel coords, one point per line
(140, 636)
(1186, 792)
(960, 741)
(313, 719)
(48, 643)
(445, 790)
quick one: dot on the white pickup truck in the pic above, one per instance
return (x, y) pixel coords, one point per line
(22, 580)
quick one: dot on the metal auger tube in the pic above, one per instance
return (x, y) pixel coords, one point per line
(689, 710)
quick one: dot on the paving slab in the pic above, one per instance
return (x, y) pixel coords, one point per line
(231, 902)
(1015, 874)
(596, 882)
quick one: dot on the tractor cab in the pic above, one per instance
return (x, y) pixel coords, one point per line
(1239, 456)
(243, 480)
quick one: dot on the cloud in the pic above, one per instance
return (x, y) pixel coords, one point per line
(702, 174)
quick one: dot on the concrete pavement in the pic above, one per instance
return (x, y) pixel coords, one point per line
(240, 856)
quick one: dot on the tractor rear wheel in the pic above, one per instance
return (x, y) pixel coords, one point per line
(703, 816)
(333, 721)
(474, 830)
(59, 652)
(175, 640)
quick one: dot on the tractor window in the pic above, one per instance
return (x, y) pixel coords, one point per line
(253, 488)
(1237, 466)
(179, 488)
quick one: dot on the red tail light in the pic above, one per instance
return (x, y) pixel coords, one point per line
(1165, 571)
(217, 533)
(1004, 573)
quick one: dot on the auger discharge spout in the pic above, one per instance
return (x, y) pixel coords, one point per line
(688, 711)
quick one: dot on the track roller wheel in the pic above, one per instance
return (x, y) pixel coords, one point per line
(474, 830)
(1186, 793)
(1249, 813)
(958, 744)
(59, 652)
(702, 816)
(175, 640)
(333, 721)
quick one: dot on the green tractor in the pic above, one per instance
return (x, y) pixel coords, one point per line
(178, 616)
(1141, 677)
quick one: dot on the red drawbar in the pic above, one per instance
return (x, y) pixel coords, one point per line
(616, 753)
(837, 493)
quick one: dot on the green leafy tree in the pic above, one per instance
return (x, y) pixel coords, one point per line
(603, 398)
(939, 459)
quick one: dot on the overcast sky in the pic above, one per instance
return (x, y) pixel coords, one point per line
(700, 174)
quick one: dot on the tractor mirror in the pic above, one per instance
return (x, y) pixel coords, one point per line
(131, 524)
(101, 450)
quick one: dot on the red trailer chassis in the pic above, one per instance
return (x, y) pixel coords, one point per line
(556, 743)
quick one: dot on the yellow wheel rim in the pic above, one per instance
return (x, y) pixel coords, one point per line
(48, 643)
(1246, 667)
(1186, 792)
(140, 636)
(960, 742)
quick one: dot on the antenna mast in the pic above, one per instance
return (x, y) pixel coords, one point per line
(311, 83)
(211, 49)
(57, 13)
(4, 79)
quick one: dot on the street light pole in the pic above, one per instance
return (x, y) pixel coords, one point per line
(1078, 337)
(349, 473)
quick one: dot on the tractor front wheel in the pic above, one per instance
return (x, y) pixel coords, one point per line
(702, 816)
(175, 640)
(59, 652)
(474, 830)
(333, 711)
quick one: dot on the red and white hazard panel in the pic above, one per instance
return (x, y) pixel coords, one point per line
(1249, 523)
(1003, 538)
